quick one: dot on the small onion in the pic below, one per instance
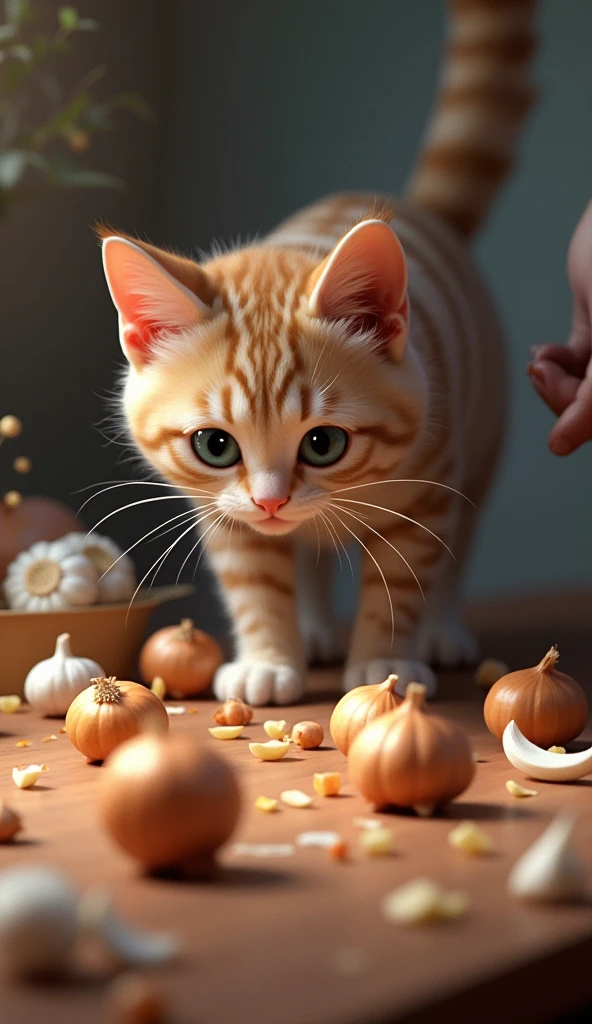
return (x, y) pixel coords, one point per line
(110, 712)
(308, 735)
(233, 711)
(359, 707)
(169, 802)
(548, 707)
(408, 758)
(185, 657)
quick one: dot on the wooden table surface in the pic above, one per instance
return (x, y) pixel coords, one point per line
(264, 940)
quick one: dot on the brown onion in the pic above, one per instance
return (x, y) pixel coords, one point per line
(408, 758)
(168, 801)
(359, 707)
(549, 708)
(233, 711)
(109, 712)
(185, 657)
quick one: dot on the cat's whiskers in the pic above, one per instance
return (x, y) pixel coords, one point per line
(401, 480)
(113, 484)
(328, 528)
(368, 552)
(217, 523)
(400, 515)
(199, 541)
(339, 541)
(135, 504)
(162, 558)
(188, 512)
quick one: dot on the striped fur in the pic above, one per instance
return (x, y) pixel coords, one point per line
(308, 329)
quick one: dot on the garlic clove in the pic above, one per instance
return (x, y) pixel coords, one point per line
(132, 946)
(276, 730)
(38, 920)
(273, 750)
(10, 703)
(545, 765)
(324, 840)
(468, 837)
(25, 778)
(10, 823)
(296, 798)
(266, 804)
(423, 901)
(377, 842)
(226, 732)
(550, 871)
(520, 792)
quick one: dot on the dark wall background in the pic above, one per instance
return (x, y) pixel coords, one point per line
(262, 107)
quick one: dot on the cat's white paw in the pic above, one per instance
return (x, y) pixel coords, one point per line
(368, 672)
(259, 682)
(446, 642)
(323, 643)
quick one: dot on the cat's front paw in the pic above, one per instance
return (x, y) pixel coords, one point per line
(446, 642)
(259, 682)
(366, 673)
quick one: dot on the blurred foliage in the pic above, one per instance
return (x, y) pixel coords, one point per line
(45, 128)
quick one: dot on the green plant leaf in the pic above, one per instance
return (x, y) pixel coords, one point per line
(13, 165)
(68, 18)
(133, 103)
(87, 179)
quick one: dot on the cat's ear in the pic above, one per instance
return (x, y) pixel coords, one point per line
(364, 281)
(151, 297)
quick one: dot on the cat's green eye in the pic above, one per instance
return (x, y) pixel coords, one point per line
(216, 448)
(322, 446)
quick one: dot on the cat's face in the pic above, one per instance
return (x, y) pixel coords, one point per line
(266, 381)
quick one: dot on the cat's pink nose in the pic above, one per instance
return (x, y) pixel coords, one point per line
(270, 505)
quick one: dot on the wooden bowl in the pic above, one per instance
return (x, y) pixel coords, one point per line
(104, 632)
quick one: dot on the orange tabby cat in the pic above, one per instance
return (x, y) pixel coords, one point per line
(286, 387)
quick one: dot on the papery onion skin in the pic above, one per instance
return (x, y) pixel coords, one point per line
(360, 706)
(168, 802)
(96, 729)
(408, 758)
(549, 707)
(185, 657)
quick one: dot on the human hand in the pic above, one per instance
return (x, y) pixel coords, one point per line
(562, 374)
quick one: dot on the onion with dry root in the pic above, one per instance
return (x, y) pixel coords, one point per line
(109, 712)
(547, 706)
(308, 735)
(185, 657)
(233, 711)
(169, 802)
(408, 758)
(359, 707)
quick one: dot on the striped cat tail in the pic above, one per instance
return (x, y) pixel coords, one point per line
(485, 92)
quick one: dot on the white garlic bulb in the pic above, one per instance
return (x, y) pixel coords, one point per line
(550, 871)
(116, 572)
(38, 920)
(49, 578)
(52, 685)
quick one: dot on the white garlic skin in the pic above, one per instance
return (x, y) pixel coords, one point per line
(52, 684)
(550, 871)
(38, 920)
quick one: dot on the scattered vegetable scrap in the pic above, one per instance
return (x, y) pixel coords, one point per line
(175, 709)
(273, 750)
(377, 842)
(515, 789)
(325, 840)
(226, 732)
(468, 837)
(158, 686)
(10, 823)
(295, 798)
(557, 750)
(422, 901)
(339, 850)
(367, 823)
(326, 783)
(489, 671)
(192, 711)
(266, 804)
(23, 743)
(48, 739)
(276, 730)
(10, 703)
(26, 777)
(264, 849)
